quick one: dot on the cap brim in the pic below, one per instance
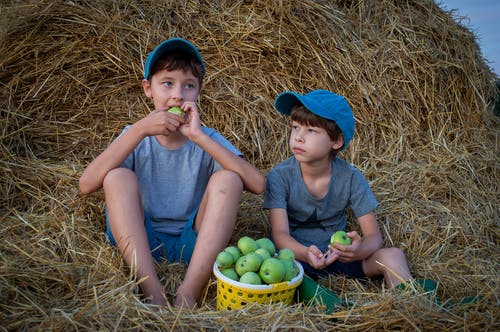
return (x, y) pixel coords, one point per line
(286, 100)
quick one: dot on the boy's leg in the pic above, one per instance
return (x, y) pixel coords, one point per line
(126, 220)
(391, 262)
(214, 223)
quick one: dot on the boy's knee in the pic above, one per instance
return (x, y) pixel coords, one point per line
(226, 180)
(118, 176)
(392, 254)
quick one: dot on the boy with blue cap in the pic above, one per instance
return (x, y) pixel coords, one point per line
(172, 187)
(308, 195)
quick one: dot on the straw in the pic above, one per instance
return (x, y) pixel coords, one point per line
(426, 139)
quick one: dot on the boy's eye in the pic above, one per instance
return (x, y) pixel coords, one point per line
(167, 83)
(189, 86)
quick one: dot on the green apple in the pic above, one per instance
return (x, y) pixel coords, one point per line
(286, 254)
(224, 260)
(176, 110)
(230, 273)
(233, 251)
(291, 269)
(251, 278)
(267, 244)
(272, 271)
(262, 252)
(340, 237)
(247, 245)
(249, 262)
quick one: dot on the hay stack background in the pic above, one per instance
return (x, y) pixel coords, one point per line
(70, 76)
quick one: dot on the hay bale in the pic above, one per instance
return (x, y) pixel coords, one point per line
(70, 76)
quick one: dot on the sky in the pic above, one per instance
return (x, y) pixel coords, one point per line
(484, 20)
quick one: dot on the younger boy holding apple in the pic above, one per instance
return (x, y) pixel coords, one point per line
(308, 194)
(172, 187)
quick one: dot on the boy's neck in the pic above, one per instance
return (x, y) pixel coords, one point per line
(317, 177)
(316, 169)
(173, 141)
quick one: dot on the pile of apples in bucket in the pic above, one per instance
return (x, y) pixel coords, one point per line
(256, 262)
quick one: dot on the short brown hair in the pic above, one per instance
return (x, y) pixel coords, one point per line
(305, 117)
(178, 61)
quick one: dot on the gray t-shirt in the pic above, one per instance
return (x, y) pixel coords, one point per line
(172, 182)
(313, 220)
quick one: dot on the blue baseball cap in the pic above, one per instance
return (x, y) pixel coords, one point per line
(171, 45)
(323, 103)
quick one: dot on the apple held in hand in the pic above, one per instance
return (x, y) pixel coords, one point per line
(272, 271)
(177, 111)
(340, 237)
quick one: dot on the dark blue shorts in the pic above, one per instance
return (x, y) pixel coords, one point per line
(173, 248)
(351, 270)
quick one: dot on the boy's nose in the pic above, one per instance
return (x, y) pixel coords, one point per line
(299, 136)
(177, 93)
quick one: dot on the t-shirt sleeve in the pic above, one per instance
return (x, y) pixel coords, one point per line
(276, 192)
(216, 136)
(362, 200)
(129, 161)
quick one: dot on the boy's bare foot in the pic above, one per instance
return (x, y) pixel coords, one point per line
(184, 300)
(156, 300)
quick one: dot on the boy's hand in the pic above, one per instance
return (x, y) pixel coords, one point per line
(317, 259)
(191, 128)
(347, 253)
(159, 122)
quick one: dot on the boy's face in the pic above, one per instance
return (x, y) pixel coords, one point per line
(171, 88)
(310, 143)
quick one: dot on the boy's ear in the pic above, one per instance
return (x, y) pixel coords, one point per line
(146, 86)
(337, 144)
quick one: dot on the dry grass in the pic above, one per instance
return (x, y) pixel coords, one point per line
(70, 80)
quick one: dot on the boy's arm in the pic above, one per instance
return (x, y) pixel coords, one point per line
(372, 238)
(157, 122)
(93, 176)
(361, 248)
(252, 179)
(282, 237)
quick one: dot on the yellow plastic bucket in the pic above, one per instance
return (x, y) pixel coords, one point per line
(232, 294)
